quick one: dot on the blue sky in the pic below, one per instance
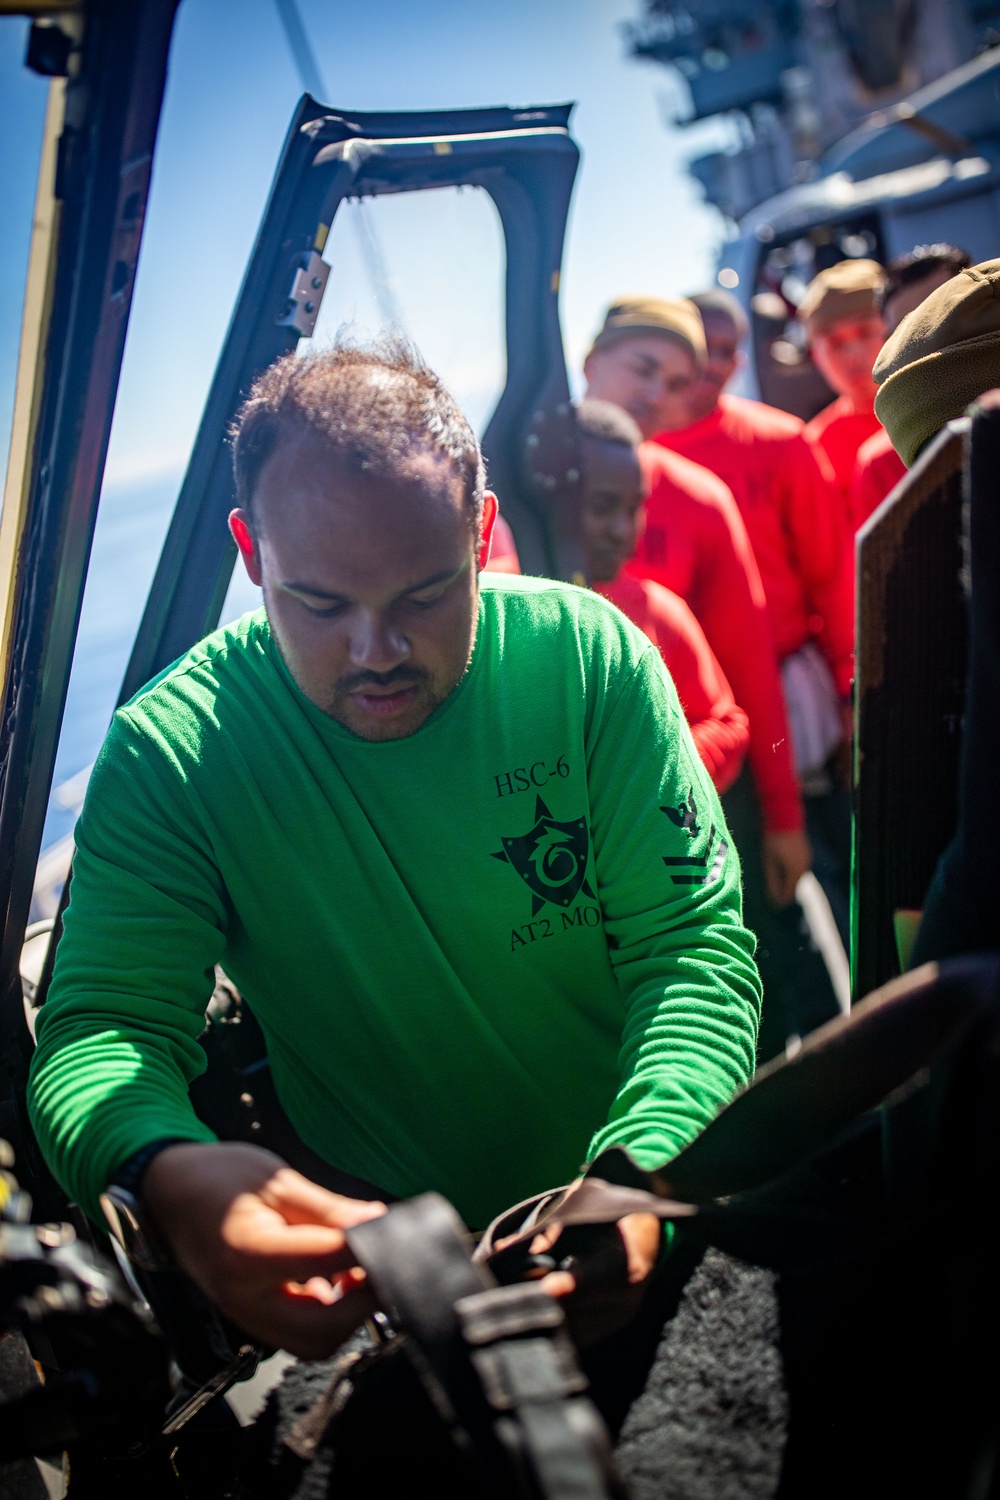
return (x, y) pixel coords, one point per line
(637, 223)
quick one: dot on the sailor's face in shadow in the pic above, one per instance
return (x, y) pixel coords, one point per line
(722, 358)
(845, 353)
(611, 506)
(370, 581)
(649, 375)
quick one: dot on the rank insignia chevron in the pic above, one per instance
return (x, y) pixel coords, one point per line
(700, 869)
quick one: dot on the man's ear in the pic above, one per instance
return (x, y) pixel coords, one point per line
(491, 510)
(239, 526)
(588, 371)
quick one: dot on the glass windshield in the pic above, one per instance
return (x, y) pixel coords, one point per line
(430, 265)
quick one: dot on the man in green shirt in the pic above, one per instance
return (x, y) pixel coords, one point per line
(452, 841)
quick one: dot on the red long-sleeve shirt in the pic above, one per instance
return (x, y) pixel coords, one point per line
(878, 470)
(840, 431)
(719, 729)
(696, 545)
(794, 519)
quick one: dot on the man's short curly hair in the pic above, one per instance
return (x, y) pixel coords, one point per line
(923, 260)
(604, 422)
(376, 404)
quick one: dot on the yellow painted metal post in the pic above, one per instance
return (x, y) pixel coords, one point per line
(30, 368)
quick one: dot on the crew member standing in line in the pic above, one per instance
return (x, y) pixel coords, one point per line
(800, 541)
(612, 518)
(910, 279)
(645, 359)
(841, 313)
(613, 492)
(877, 471)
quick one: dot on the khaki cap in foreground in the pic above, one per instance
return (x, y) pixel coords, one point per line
(675, 317)
(845, 291)
(941, 357)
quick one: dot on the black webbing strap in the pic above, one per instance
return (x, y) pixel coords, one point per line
(592, 1200)
(496, 1361)
(721, 1187)
(527, 1368)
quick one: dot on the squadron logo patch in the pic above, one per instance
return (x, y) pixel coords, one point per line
(551, 858)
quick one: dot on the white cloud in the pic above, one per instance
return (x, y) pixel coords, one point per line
(142, 467)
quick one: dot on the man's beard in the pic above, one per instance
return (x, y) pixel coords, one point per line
(349, 714)
(335, 702)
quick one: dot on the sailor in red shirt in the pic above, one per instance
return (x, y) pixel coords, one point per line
(644, 360)
(802, 545)
(614, 489)
(792, 516)
(613, 492)
(877, 472)
(842, 316)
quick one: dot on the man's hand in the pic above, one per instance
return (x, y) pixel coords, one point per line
(604, 1289)
(786, 856)
(265, 1244)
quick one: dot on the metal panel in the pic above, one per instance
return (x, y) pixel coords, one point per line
(105, 156)
(911, 661)
(971, 220)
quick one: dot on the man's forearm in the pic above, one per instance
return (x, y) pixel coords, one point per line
(96, 1100)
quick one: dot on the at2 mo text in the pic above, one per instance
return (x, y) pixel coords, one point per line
(543, 927)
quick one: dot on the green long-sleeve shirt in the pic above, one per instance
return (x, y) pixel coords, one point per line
(479, 954)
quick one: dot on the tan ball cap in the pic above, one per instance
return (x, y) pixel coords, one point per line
(674, 317)
(944, 354)
(846, 291)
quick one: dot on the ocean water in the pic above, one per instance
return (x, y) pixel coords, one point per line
(132, 522)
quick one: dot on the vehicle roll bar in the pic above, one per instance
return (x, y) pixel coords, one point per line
(526, 160)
